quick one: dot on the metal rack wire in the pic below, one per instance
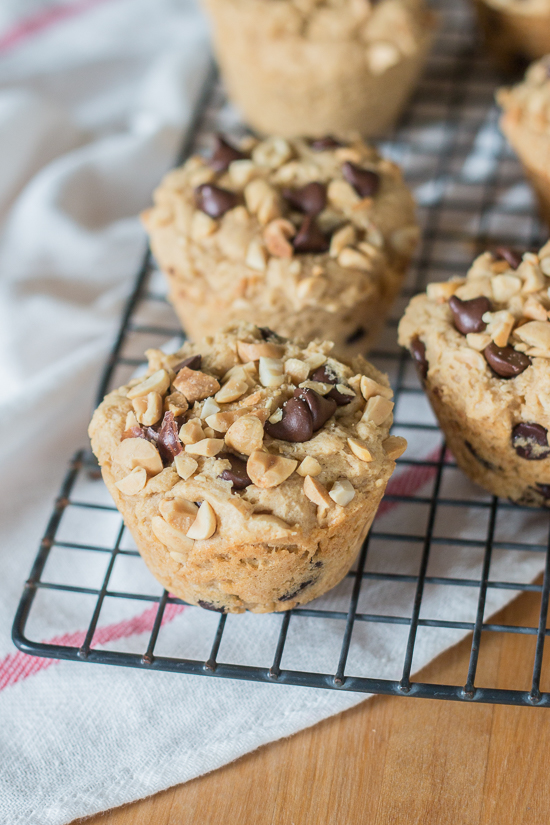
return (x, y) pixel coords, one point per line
(471, 196)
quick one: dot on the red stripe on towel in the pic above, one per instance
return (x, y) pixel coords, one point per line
(43, 20)
(18, 666)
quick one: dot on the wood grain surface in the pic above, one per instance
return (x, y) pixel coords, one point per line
(390, 760)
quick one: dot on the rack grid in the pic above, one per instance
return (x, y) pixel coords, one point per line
(471, 196)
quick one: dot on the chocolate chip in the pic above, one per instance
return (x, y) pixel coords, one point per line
(309, 238)
(326, 376)
(467, 315)
(151, 433)
(530, 497)
(210, 606)
(168, 443)
(290, 596)
(325, 143)
(133, 432)
(365, 182)
(223, 155)
(506, 362)
(237, 475)
(482, 461)
(544, 490)
(296, 424)
(505, 253)
(530, 441)
(311, 198)
(194, 362)
(214, 200)
(356, 335)
(316, 564)
(270, 336)
(137, 431)
(321, 408)
(417, 349)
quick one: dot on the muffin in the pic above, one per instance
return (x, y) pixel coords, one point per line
(248, 468)
(482, 349)
(312, 67)
(526, 124)
(515, 30)
(310, 238)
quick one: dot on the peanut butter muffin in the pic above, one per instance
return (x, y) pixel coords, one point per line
(248, 468)
(315, 67)
(526, 124)
(482, 349)
(310, 238)
(515, 29)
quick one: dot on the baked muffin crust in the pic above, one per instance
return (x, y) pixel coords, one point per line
(249, 476)
(310, 238)
(482, 346)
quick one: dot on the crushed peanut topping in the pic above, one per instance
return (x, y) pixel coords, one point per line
(256, 413)
(503, 310)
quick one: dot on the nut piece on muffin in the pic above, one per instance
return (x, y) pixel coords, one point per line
(310, 238)
(526, 124)
(482, 349)
(248, 468)
(313, 67)
(515, 30)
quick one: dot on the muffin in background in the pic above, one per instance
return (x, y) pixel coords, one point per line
(526, 124)
(311, 238)
(312, 67)
(515, 30)
(482, 349)
(248, 468)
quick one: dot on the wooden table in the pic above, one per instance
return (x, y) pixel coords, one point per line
(389, 760)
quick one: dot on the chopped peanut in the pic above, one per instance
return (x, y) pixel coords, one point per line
(369, 387)
(256, 256)
(277, 235)
(342, 492)
(170, 537)
(207, 447)
(271, 372)
(133, 483)
(191, 432)
(209, 408)
(246, 435)
(535, 334)
(343, 237)
(267, 470)
(176, 403)
(232, 390)
(205, 523)
(185, 465)
(309, 467)
(195, 385)
(378, 409)
(137, 452)
(360, 450)
(297, 370)
(159, 382)
(317, 493)
(178, 513)
(478, 340)
(148, 408)
(394, 446)
(442, 291)
(260, 349)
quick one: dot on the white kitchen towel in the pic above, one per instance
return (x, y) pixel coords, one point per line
(94, 98)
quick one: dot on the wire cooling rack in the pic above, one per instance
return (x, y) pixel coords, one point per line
(441, 556)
